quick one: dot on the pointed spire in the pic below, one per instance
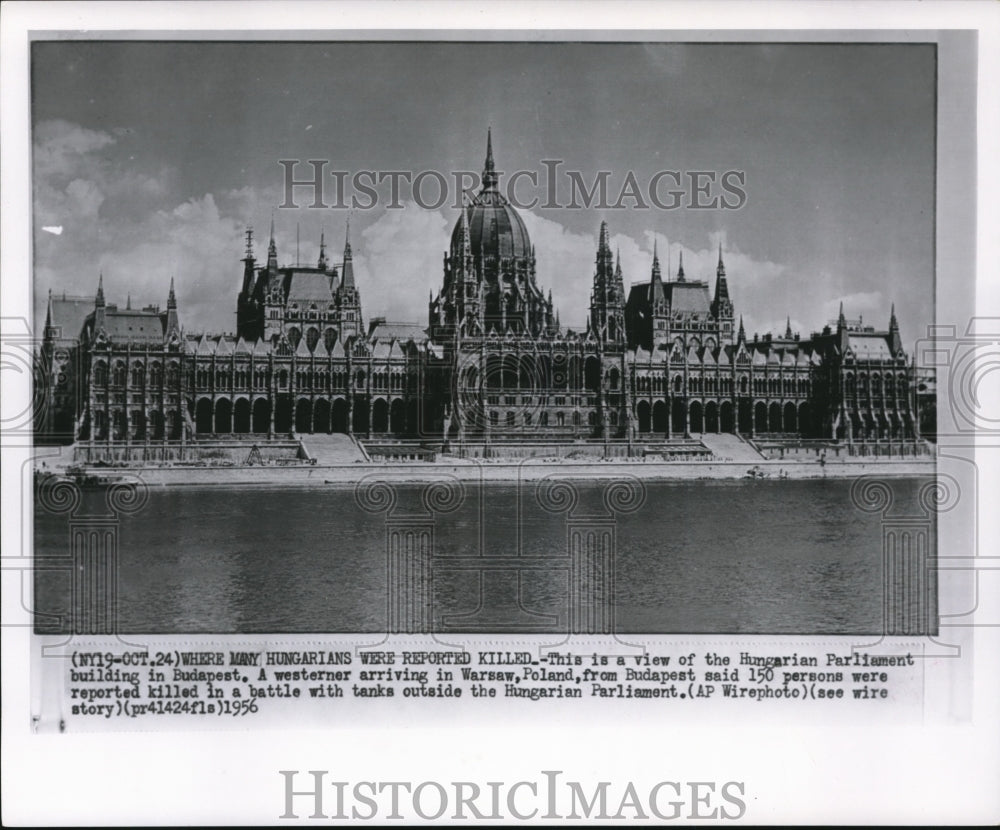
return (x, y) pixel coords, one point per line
(680, 267)
(128, 301)
(604, 245)
(656, 275)
(249, 236)
(788, 328)
(322, 264)
(721, 303)
(893, 324)
(742, 336)
(347, 274)
(618, 262)
(489, 169)
(841, 322)
(48, 312)
(272, 248)
(100, 289)
(171, 297)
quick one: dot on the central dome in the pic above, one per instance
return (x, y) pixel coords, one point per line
(495, 228)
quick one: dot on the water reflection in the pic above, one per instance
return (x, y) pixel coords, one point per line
(698, 557)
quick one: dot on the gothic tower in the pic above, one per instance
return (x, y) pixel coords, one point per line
(347, 299)
(607, 297)
(722, 305)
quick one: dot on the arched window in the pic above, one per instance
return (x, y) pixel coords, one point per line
(312, 337)
(100, 375)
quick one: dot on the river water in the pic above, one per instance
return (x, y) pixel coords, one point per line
(789, 556)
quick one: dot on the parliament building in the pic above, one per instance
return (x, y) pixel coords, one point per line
(660, 360)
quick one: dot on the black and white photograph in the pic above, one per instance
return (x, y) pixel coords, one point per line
(522, 376)
(502, 285)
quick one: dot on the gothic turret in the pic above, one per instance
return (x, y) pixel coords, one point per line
(895, 341)
(322, 264)
(722, 305)
(173, 324)
(272, 252)
(348, 300)
(607, 300)
(99, 307)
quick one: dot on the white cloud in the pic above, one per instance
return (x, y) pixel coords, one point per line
(198, 240)
(398, 261)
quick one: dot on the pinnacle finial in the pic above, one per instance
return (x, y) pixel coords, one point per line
(680, 266)
(128, 301)
(272, 248)
(788, 327)
(721, 264)
(604, 246)
(489, 169)
(100, 288)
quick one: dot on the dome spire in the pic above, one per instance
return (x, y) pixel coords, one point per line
(489, 170)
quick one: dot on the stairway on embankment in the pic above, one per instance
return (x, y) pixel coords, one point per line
(332, 449)
(728, 447)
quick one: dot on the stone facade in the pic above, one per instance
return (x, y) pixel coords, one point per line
(662, 361)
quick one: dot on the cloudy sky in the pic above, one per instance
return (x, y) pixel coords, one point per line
(153, 157)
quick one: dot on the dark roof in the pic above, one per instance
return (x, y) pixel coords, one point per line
(308, 285)
(688, 297)
(141, 326)
(69, 314)
(495, 228)
(869, 346)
